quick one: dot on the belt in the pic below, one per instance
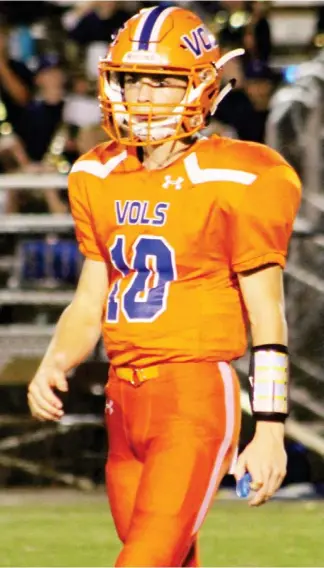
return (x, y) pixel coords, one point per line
(137, 376)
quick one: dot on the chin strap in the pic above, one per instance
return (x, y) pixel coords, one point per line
(228, 56)
(218, 65)
(222, 94)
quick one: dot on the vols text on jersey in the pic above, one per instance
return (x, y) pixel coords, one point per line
(140, 213)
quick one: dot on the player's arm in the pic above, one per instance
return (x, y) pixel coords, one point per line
(260, 228)
(78, 328)
(262, 291)
(75, 336)
(263, 295)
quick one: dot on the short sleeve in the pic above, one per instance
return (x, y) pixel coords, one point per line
(262, 221)
(84, 228)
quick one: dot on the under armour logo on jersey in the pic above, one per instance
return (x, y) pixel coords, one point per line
(110, 406)
(177, 183)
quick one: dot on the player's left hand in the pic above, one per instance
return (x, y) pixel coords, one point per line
(265, 459)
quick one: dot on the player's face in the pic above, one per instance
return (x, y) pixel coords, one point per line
(160, 90)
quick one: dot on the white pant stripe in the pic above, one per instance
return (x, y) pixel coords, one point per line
(228, 380)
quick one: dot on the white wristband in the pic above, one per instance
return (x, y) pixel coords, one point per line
(269, 382)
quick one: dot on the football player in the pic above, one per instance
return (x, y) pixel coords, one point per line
(185, 240)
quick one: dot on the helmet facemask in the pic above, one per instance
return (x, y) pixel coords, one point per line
(164, 122)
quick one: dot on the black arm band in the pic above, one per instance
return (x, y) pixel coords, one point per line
(269, 380)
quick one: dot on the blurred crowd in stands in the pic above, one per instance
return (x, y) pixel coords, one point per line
(49, 50)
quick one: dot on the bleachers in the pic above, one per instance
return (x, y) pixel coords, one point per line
(295, 129)
(37, 278)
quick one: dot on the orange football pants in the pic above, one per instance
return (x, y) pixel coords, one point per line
(171, 441)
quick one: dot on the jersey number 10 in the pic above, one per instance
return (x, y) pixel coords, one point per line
(150, 272)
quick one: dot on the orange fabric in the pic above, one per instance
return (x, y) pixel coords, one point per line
(171, 441)
(85, 229)
(207, 232)
(261, 225)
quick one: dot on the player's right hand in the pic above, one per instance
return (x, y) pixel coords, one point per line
(42, 401)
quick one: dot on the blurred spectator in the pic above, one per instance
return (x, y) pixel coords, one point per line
(88, 137)
(91, 25)
(16, 83)
(94, 21)
(81, 105)
(230, 19)
(257, 33)
(259, 84)
(24, 13)
(81, 111)
(22, 44)
(320, 19)
(42, 138)
(245, 109)
(42, 117)
(245, 24)
(318, 39)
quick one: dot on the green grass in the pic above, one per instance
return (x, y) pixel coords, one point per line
(79, 532)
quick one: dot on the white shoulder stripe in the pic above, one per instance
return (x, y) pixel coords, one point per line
(95, 168)
(198, 175)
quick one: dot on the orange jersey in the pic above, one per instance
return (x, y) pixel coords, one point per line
(174, 240)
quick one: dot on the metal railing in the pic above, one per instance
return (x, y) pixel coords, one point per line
(295, 128)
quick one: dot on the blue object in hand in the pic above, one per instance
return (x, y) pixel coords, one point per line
(243, 486)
